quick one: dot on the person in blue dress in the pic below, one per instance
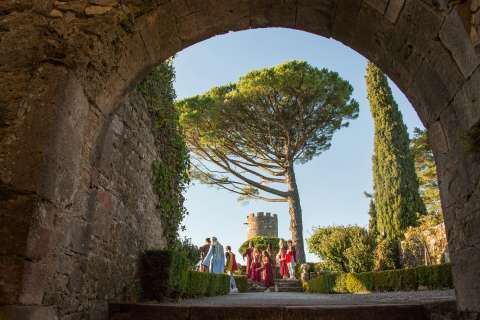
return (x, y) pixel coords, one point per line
(215, 258)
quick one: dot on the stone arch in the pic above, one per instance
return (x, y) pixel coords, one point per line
(66, 67)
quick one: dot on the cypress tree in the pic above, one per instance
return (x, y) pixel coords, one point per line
(372, 222)
(396, 194)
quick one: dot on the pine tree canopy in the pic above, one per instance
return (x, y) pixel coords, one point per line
(246, 136)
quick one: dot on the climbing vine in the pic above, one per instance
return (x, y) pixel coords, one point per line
(170, 171)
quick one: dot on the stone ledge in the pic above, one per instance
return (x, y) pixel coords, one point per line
(337, 312)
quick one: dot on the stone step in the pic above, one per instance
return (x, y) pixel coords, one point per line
(289, 289)
(247, 312)
(276, 289)
(288, 280)
(289, 283)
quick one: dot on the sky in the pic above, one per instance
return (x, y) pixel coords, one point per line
(331, 186)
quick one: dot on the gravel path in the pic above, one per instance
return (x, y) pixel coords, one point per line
(305, 299)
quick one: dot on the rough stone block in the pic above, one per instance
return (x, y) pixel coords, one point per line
(97, 10)
(454, 36)
(379, 5)
(346, 12)
(467, 101)
(393, 10)
(408, 47)
(317, 18)
(27, 313)
(464, 272)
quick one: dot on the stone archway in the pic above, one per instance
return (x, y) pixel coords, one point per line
(66, 66)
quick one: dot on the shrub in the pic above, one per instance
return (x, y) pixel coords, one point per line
(342, 248)
(190, 250)
(434, 277)
(166, 273)
(242, 283)
(431, 277)
(218, 284)
(198, 284)
(386, 255)
(323, 284)
(261, 243)
(163, 274)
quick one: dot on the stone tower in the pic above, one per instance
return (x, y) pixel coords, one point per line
(262, 224)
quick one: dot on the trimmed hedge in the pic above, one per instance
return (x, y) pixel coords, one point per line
(431, 277)
(242, 283)
(206, 284)
(166, 274)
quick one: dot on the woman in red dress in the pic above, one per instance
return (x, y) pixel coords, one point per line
(282, 256)
(256, 263)
(249, 254)
(266, 270)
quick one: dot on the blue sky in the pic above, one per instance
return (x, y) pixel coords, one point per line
(331, 185)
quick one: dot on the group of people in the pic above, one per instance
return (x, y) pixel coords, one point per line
(261, 265)
(214, 260)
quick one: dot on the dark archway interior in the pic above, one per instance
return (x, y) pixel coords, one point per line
(68, 70)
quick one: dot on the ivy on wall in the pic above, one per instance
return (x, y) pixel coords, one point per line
(170, 171)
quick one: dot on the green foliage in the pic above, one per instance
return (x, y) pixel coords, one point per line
(206, 284)
(372, 222)
(417, 248)
(322, 284)
(242, 283)
(247, 136)
(359, 254)
(434, 277)
(431, 277)
(163, 274)
(342, 248)
(170, 172)
(191, 251)
(167, 274)
(260, 243)
(386, 254)
(427, 173)
(397, 199)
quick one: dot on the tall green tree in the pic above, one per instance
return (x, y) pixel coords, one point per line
(246, 137)
(426, 172)
(372, 221)
(397, 199)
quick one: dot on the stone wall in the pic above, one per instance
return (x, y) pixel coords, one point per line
(122, 220)
(64, 70)
(111, 220)
(262, 224)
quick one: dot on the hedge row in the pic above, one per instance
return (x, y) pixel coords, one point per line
(431, 277)
(206, 284)
(166, 274)
(242, 283)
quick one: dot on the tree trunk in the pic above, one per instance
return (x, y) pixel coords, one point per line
(295, 211)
